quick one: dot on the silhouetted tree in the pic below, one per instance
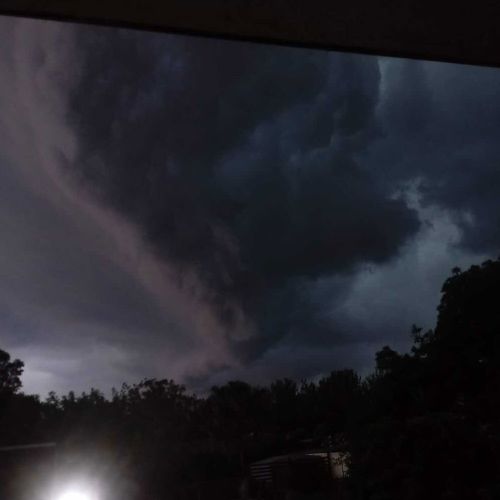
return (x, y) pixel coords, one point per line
(10, 373)
(432, 422)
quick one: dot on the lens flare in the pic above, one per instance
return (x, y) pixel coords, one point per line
(75, 495)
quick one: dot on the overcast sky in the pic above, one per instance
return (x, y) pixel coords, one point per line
(207, 210)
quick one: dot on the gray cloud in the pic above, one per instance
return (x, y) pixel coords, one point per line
(78, 283)
(238, 162)
(173, 206)
(440, 123)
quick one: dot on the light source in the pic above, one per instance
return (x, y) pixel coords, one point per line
(75, 494)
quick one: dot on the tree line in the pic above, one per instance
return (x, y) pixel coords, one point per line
(425, 422)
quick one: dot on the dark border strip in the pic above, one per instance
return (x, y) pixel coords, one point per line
(417, 29)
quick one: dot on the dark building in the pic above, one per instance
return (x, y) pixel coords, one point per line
(313, 473)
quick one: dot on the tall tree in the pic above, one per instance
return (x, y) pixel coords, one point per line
(433, 425)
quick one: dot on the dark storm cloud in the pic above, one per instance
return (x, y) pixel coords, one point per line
(441, 123)
(238, 162)
(206, 210)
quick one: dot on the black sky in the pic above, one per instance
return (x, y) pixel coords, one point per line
(204, 210)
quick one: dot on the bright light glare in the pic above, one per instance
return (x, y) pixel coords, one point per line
(74, 495)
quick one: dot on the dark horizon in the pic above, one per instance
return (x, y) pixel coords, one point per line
(423, 423)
